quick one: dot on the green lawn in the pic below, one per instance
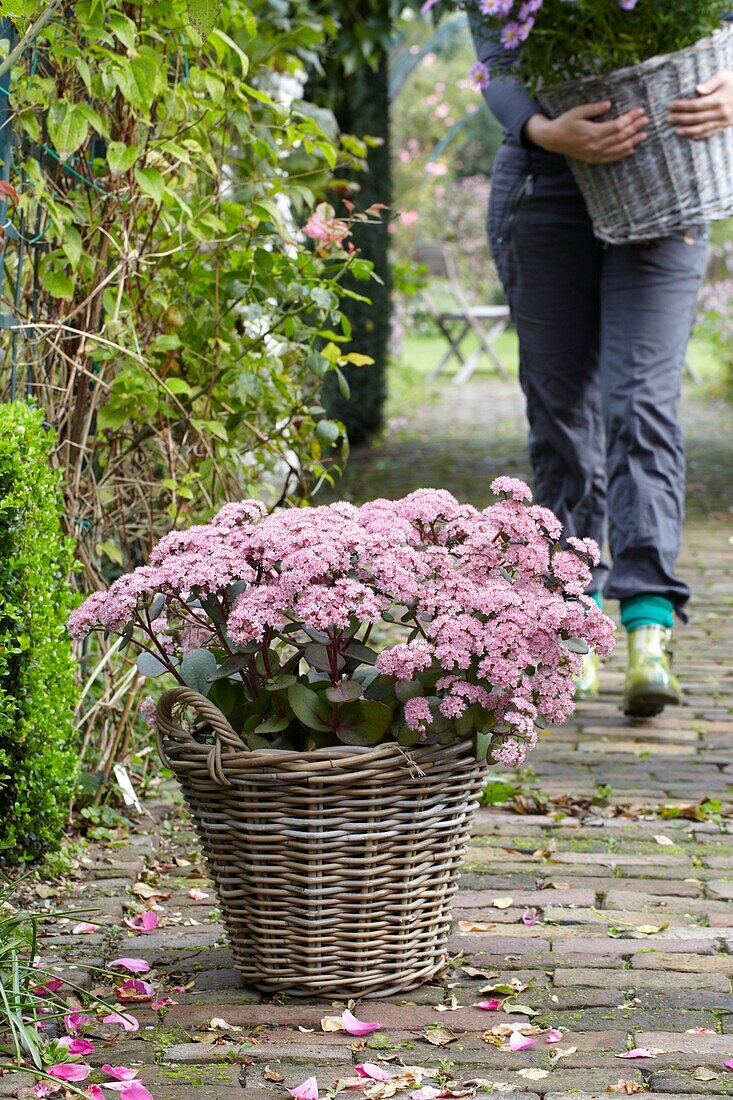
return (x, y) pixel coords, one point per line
(409, 377)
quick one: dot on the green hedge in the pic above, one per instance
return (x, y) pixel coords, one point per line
(37, 753)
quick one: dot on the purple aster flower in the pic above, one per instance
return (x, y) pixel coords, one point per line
(480, 75)
(511, 36)
(496, 7)
(628, 5)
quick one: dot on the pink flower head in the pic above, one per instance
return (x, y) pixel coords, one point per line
(512, 486)
(357, 1027)
(307, 1091)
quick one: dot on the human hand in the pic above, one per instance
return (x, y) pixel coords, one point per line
(575, 134)
(709, 113)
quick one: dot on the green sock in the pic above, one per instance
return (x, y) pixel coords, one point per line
(638, 611)
(598, 598)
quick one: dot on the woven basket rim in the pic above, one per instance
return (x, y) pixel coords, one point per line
(334, 755)
(648, 65)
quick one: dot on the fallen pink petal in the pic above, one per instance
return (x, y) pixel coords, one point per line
(75, 1045)
(135, 989)
(94, 1093)
(198, 895)
(375, 1073)
(530, 917)
(637, 1052)
(70, 1071)
(120, 1073)
(492, 1005)
(427, 1092)
(163, 1002)
(51, 986)
(358, 1027)
(517, 1041)
(143, 922)
(728, 1063)
(307, 1091)
(129, 1022)
(83, 927)
(74, 1022)
(554, 1035)
(136, 1091)
(135, 966)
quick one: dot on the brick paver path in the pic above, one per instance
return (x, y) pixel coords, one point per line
(618, 836)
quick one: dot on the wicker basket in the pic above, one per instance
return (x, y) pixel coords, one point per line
(670, 183)
(335, 869)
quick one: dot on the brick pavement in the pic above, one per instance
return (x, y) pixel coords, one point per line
(618, 835)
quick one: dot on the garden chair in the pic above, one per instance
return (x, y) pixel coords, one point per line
(458, 317)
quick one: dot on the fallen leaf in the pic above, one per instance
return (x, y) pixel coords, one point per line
(628, 1087)
(331, 1023)
(519, 1010)
(272, 1074)
(533, 1074)
(650, 929)
(637, 1052)
(441, 1036)
(217, 1024)
(475, 926)
(474, 972)
(664, 840)
(143, 890)
(702, 1073)
(562, 1052)
(451, 1006)
(502, 903)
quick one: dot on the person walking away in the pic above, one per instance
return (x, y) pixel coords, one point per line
(602, 337)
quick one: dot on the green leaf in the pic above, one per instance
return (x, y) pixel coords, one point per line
(123, 28)
(362, 653)
(140, 79)
(363, 722)
(310, 708)
(121, 157)
(149, 665)
(408, 689)
(58, 284)
(67, 127)
(217, 35)
(230, 667)
(317, 657)
(151, 182)
(483, 744)
(71, 245)
(178, 385)
(407, 737)
(345, 692)
(328, 430)
(273, 725)
(196, 668)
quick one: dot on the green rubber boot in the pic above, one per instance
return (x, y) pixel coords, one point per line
(588, 682)
(650, 684)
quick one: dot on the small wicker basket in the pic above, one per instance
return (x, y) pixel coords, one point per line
(670, 183)
(335, 869)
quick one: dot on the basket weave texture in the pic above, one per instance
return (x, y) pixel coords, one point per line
(335, 869)
(670, 183)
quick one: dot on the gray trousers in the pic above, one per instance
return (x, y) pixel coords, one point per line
(602, 337)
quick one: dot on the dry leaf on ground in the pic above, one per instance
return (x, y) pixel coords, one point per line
(628, 1087)
(475, 926)
(503, 903)
(533, 1074)
(441, 1036)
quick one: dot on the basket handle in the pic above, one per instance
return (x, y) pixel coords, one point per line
(169, 728)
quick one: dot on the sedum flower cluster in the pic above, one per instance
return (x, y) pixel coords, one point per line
(481, 615)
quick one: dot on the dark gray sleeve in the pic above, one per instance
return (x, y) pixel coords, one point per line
(506, 98)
